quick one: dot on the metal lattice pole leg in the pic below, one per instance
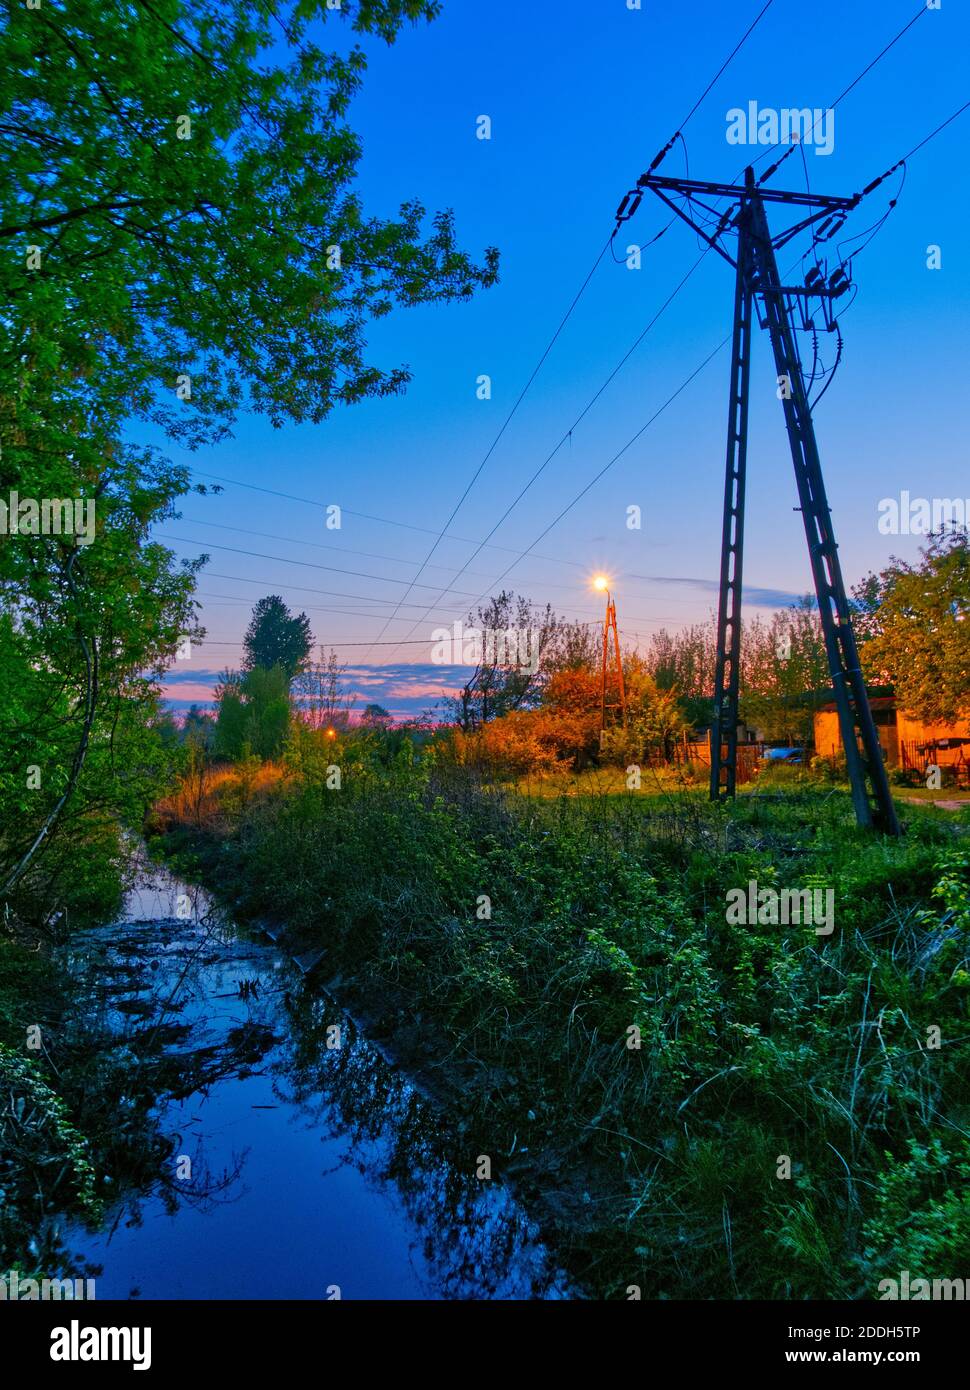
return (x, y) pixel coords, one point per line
(724, 732)
(851, 699)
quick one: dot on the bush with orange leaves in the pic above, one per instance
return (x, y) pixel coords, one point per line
(565, 729)
(536, 740)
(578, 690)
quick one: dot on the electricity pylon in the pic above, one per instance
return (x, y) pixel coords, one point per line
(758, 282)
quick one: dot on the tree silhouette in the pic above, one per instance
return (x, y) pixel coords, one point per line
(277, 637)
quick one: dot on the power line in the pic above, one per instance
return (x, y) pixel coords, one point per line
(326, 593)
(568, 435)
(624, 213)
(723, 344)
(263, 583)
(552, 559)
(392, 642)
(631, 200)
(308, 564)
(237, 601)
(724, 66)
(394, 559)
(519, 399)
(427, 530)
(607, 466)
(314, 545)
(418, 642)
(906, 157)
(382, 520)
(854, 83)
(667, 302)
(441, 534)
(529, 550)
(933, 134)
(871, 232)
(738, 46)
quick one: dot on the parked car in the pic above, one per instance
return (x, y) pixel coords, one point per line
(783, 755)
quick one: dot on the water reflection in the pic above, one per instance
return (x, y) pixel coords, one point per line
(475, 1241)
(290, 1167)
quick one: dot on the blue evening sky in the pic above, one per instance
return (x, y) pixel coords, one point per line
(581, 94)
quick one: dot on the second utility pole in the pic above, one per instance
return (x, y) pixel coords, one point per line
(609, 625)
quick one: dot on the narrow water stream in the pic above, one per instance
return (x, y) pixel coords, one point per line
(299, 1167)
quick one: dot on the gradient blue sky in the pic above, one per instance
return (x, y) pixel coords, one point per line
(581, 95)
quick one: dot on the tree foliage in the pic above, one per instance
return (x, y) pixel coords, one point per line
(784, 672)
(180, 239)
(254, 713)
(655, 720)
(683, 663)
(277, 637)
(185, 174)
(513, 646)
(84, 632)
(920, 630)
(320, 695)
(375, 717)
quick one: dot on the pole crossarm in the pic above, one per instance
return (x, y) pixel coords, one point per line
(667, 188)
(690, 188)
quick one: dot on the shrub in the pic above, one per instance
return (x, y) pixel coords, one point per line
(45, 1163)
(528, 741)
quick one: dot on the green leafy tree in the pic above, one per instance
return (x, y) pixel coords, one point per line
(277, 637)
(184, 174)
(655, 720)
(920, 630)
(784, 672)
(230, 734)
(254, 713)
(198, 727)
(180, 238)
(511, 659)
(865, 601)
(375, 717)
(85, 630)
(683, 663)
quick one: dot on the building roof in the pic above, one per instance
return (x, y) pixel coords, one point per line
(875, 702)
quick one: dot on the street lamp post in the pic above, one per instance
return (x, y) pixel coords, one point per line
(602, 585)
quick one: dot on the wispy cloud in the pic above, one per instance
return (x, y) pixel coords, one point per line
(404, 689)
(175, 676)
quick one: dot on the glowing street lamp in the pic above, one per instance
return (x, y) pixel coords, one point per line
(601, 584)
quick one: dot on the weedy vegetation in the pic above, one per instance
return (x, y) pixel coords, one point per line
(693, 1108)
